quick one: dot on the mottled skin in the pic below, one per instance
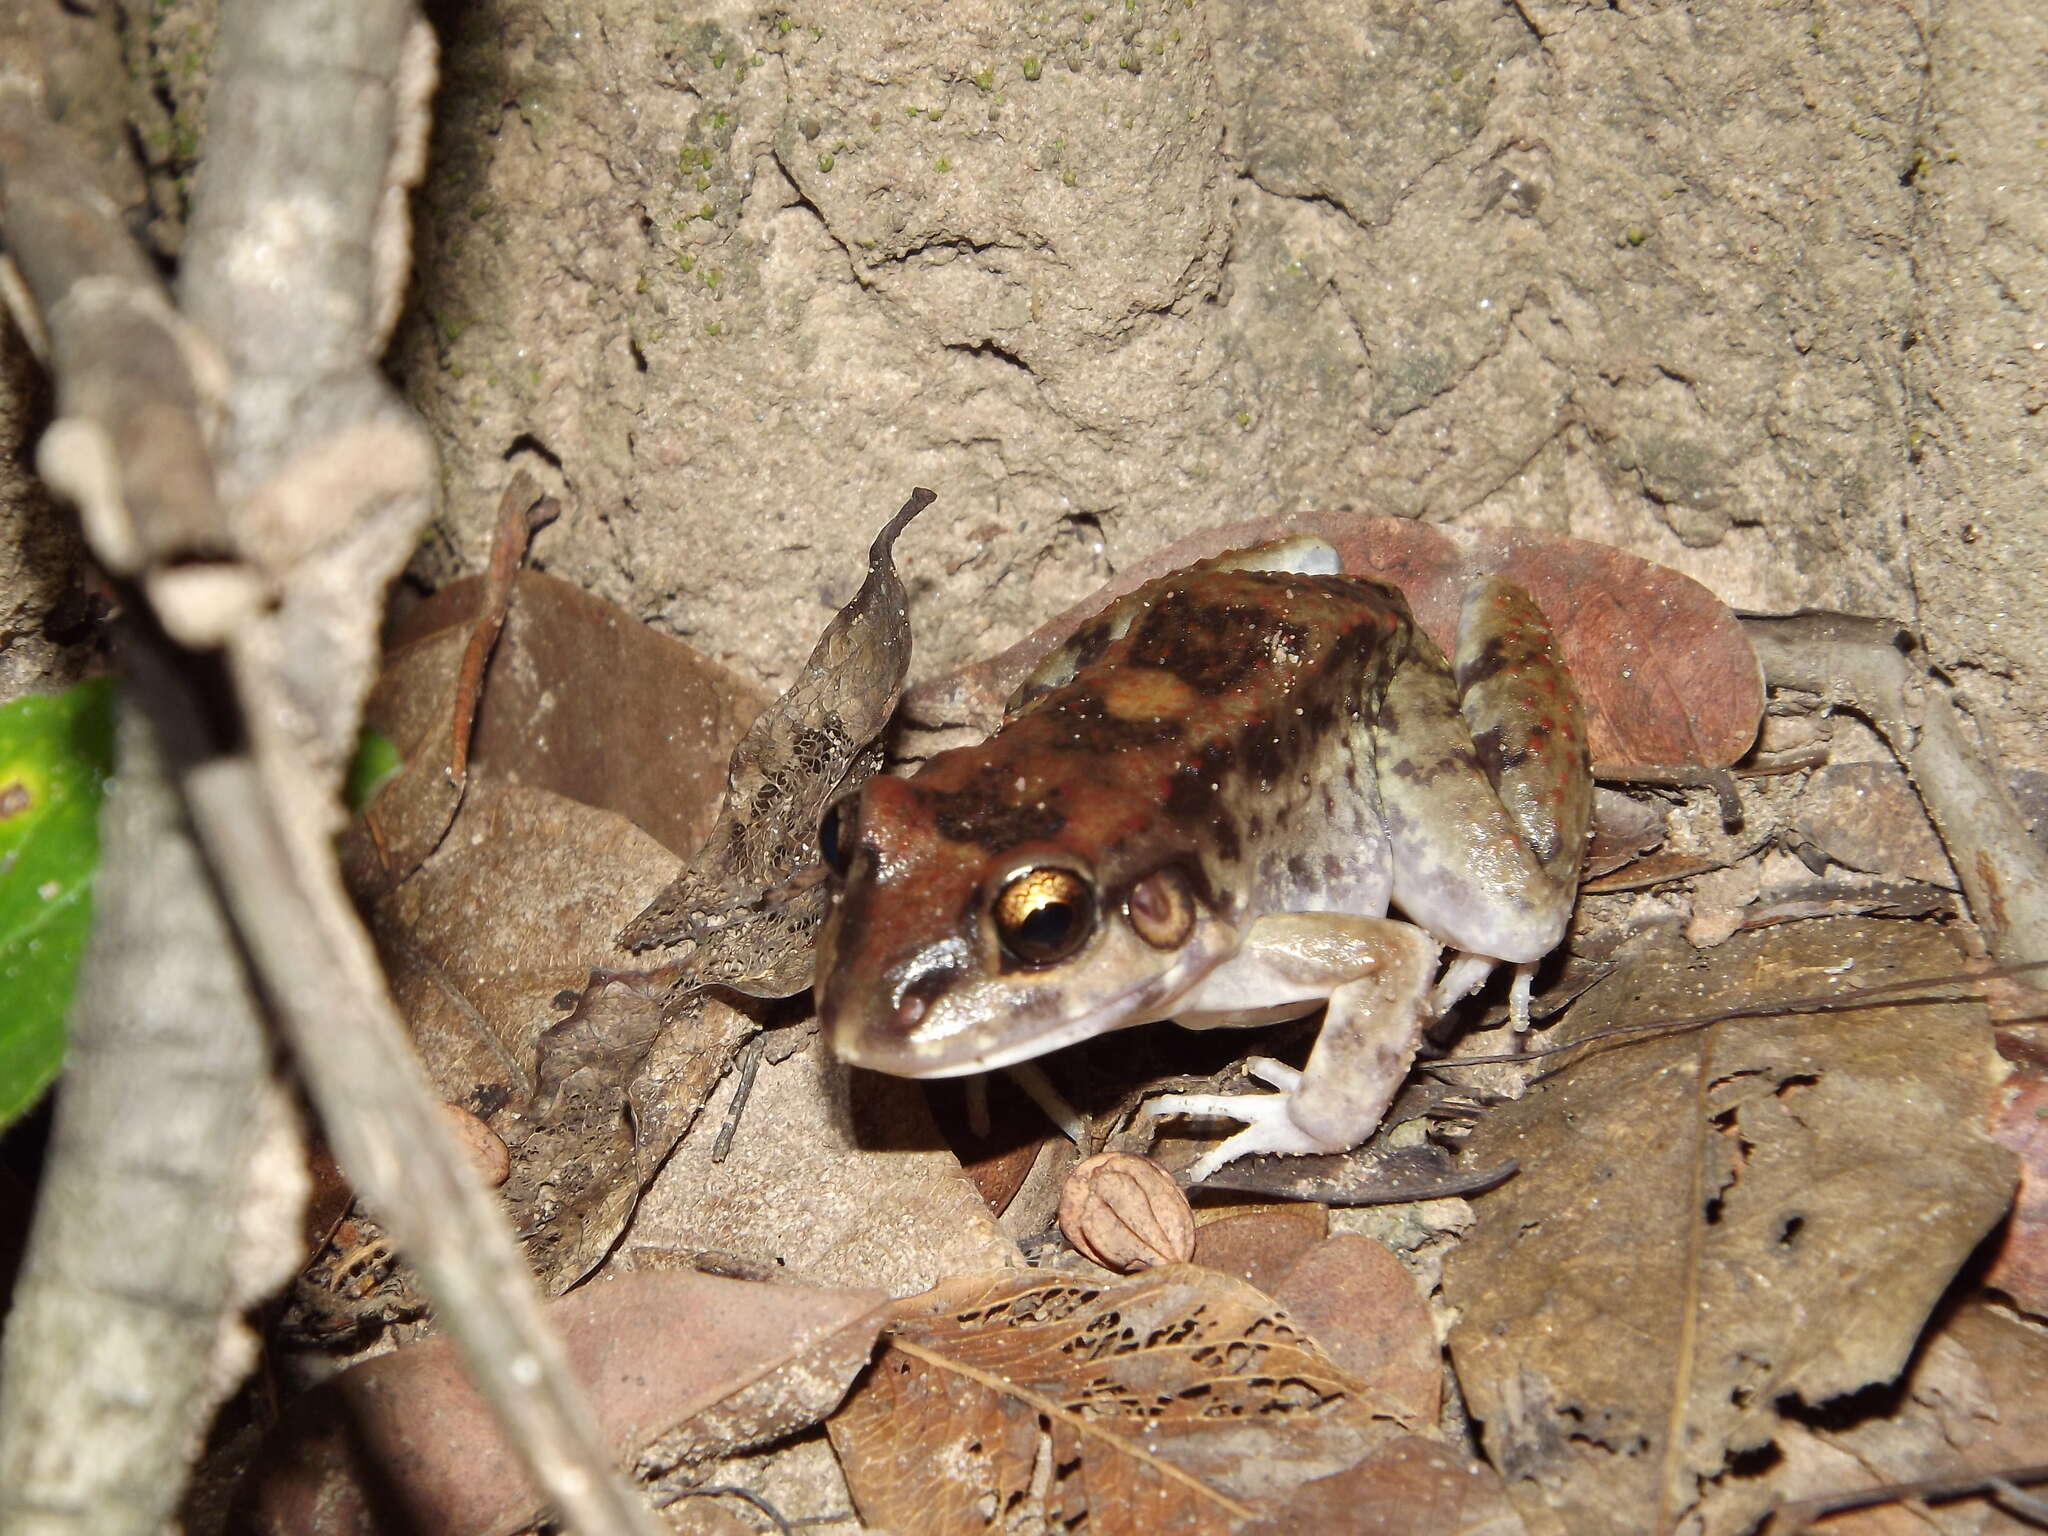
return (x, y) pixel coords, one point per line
(1242, 769)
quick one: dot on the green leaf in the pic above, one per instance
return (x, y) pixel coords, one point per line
(375, 761)
(55, 754)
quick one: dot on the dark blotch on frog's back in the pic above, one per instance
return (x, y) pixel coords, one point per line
(1497, 757)
(979, 815)
(1495, 657)
(1212, 646)
(1267, 750)
(1081, 722)
(1087, 643)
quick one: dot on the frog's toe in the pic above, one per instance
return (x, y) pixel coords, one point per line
(1274, 1074)
(1268, 1127)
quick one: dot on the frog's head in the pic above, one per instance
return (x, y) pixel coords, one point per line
(971, 931)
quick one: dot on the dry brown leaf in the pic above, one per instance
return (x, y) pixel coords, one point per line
(520, 905)
(1258, 1244)
(998, 1139)
(1707, 1223)
(580, 698)
(753, 897)
(1624, 829)
(404, 1442)
(1363, 1307)
(1178, 1400)
(827, 1182)
(1867, 816)
(1665, 671)
(512, 913)
(1972, 1404)
(2020, 1266)
(1413, 1487)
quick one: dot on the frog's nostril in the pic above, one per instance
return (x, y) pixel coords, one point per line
(914, 1000)
(909, 1009)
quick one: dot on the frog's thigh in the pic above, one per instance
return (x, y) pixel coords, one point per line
(1462, 868)
(1525, 715)
(1374, 1023)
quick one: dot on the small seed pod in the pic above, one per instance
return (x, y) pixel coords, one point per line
(1126, 1213)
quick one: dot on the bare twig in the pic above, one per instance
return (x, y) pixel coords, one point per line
(123, 1334)
(1884, 995)
(272, 536)
(1791, 1519)
(121, 1337)
(1855, 662)
(521, 510)
(138, 387)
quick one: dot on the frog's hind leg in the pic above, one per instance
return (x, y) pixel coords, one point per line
(1483, 783)
(1527, 723)
(1377, 972)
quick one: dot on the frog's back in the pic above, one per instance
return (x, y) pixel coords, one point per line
(1219, 717)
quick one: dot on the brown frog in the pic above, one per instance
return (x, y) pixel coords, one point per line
(1250, 789)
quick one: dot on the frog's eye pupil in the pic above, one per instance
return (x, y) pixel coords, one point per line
(1044, 915)
(835, 838)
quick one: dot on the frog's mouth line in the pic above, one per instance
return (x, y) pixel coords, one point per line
(1146, 1003)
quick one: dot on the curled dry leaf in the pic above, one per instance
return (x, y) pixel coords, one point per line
(1666, 673)
(1867, 816)
(404, 1442)
(1125, 1213)
(753, 897)
(1368, 1175)
(1178, 1400)
(1711, 1224)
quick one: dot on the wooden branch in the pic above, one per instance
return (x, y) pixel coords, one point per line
(138, 388)
(270, 547)
(125, 1332)
(1856, 662)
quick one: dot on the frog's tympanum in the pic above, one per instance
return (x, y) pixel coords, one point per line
(1250, 789)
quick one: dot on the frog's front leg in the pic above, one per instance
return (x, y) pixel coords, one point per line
(1376, 974)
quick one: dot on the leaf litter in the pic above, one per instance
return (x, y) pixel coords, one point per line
(1180, 1399)
(1788, 1132)
(1710, 1224)
(679, 1367)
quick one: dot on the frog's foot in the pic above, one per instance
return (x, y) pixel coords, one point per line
(1465, 975)
(1518, 1001)
(1268, 1126)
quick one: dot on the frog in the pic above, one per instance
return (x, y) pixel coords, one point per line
(1250, 789)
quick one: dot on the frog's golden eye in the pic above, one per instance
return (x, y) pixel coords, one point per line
(1044, 915)
(836, 835)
